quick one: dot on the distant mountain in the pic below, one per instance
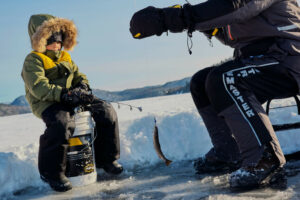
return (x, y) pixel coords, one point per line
(6, 109)
(20, 104)
(20, 101)
(173, 87)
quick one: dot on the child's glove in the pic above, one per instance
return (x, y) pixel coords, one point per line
(76, 97)
(154, 21)
(84, 86)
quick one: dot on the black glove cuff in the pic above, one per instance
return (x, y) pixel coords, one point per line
(187, 16)
(174, 19)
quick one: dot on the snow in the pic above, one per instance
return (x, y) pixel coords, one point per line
(183, 137)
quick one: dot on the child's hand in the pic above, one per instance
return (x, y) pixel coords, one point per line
(84, 86)
(76, 97)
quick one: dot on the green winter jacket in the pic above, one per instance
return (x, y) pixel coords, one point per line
(45, 74)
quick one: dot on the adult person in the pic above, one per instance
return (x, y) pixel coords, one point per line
(265, 36)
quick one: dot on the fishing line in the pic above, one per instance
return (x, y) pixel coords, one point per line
(156, 142)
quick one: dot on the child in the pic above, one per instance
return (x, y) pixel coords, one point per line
(54, 87)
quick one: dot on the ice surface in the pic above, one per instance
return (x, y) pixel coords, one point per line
(183, 137)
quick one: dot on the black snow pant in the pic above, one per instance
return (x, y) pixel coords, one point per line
(229, 98)
(60, 125)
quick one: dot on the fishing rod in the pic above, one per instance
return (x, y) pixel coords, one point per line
(125, 104)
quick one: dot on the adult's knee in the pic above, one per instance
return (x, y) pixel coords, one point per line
(216, 90)
(197, 85)
(214, 82)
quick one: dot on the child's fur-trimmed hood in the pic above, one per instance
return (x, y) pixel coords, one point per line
(41, 27)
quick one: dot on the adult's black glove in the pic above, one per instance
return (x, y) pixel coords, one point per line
(154, 21)
(76, 97)
(147, 22)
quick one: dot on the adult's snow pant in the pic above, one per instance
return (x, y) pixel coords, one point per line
(60, 125)
(229, 97)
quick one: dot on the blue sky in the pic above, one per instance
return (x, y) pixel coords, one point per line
(106, 52)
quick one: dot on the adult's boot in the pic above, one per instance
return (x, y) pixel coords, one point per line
(266, 172)
(210, 163)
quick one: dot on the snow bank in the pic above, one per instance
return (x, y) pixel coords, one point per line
(18, 170)
(182, 133)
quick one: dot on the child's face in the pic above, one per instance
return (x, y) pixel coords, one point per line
(55, 46)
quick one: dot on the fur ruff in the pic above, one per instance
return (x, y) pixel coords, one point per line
(45, 30)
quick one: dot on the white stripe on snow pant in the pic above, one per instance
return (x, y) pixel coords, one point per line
(230, 73)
